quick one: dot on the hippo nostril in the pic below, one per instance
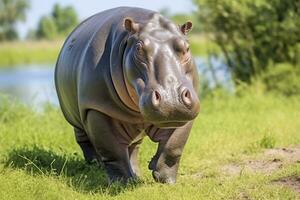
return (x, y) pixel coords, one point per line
(157, 95)
(187, 94)
(155, 98)
(186, 97)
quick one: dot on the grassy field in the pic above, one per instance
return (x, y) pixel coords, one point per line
(23, 52)
(39, 158)
(14, 53)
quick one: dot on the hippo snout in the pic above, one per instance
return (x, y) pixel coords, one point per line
(170, 108)
(185, 97)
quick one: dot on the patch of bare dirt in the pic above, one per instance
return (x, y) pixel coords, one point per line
(291, 182)
(270, 161)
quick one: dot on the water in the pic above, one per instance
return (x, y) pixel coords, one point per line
(30, 84)
(215, 72)
(34, 84)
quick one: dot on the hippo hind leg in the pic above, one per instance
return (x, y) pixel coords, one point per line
(86, 146)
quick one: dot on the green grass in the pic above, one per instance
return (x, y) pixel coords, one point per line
(14, 53)
(39, 158)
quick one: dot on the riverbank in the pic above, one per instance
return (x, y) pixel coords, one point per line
(41, 52)
(235, 151)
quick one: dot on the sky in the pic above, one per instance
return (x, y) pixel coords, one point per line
(86, 8)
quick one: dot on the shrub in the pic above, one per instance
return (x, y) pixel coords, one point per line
(282, 79)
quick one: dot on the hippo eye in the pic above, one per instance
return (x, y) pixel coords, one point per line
(177, 49)
(140, 53)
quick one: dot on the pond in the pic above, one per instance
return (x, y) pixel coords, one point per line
(33, 84)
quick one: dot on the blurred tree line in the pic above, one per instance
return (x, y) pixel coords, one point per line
(57, 24)
(255, 36)
(11, 11)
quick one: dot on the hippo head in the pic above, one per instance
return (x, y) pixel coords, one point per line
(160, 73)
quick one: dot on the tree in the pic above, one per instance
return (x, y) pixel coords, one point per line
(65, 18)
(59, 23)
(11, 11)
(253, 34)
(46, 28)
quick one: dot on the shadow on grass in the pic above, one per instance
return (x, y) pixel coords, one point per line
(69, 167)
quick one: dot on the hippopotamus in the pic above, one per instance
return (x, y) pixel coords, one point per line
(121, 75)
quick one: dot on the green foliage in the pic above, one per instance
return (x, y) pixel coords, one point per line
(64, 18)
(279, 79)
(9, 33)
(59, 24)
(201, 46)
(11, 11)
(253, 33)
(46, 28)
(31, 34)
(282, 79)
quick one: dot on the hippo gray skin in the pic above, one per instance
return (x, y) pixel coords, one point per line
(122, 74)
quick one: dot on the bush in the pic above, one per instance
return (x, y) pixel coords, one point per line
(282, 79)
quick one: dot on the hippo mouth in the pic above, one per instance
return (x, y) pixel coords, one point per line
(174, 124)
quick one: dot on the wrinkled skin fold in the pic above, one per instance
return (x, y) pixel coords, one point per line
(124, 74)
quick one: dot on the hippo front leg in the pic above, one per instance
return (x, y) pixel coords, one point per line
(165, 163)
(103, 135)
(133, 155)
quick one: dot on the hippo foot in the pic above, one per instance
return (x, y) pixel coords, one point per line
(95, 161)
(161, 176)
(119, 175)
(122, 180)
(163, 179)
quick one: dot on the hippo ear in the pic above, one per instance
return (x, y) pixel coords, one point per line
(131, 26)
(185, 28)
